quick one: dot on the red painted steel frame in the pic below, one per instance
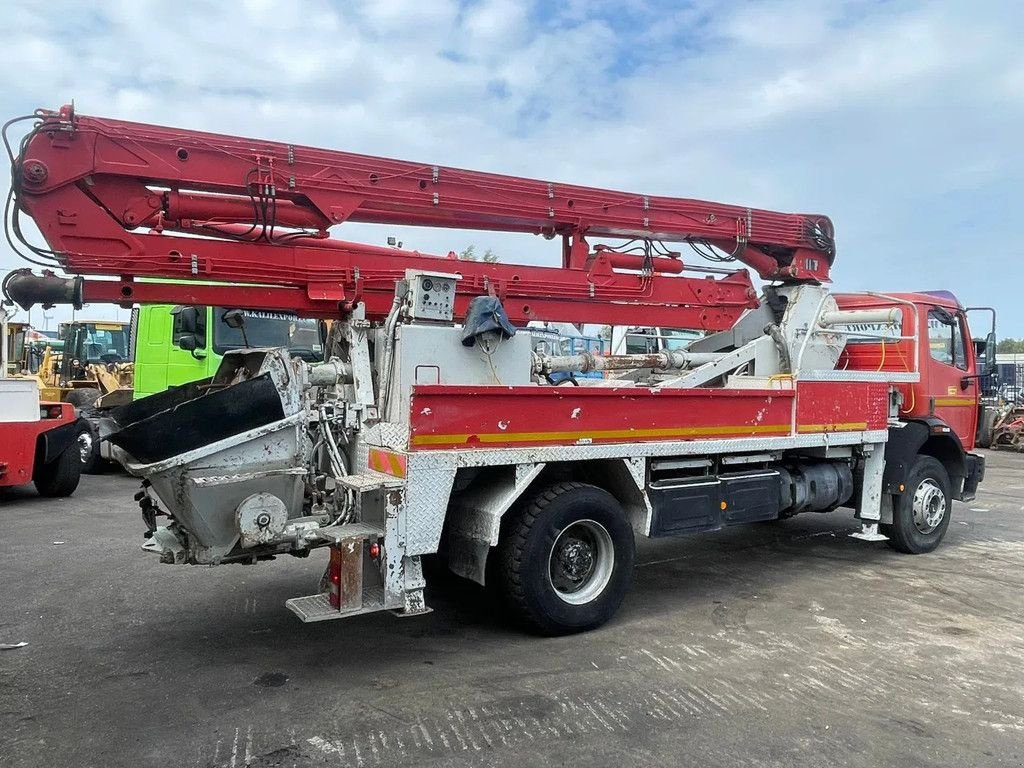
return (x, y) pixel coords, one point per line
(112, 197)
(458, 417)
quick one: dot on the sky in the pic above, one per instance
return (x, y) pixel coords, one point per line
(900, 120)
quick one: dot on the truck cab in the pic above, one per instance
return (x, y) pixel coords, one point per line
(178, 344)
(939, 412)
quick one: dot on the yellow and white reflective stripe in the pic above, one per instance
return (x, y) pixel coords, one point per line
(844, 426)
(667, 433)
(955, 402)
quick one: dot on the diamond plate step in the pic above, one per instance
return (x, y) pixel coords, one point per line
(318, 607)
(370, 481)
(336, 533)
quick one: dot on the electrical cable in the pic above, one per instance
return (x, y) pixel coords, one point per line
(12, 208)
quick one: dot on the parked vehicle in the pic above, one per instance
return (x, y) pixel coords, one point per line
(564, 339)
(39, 441)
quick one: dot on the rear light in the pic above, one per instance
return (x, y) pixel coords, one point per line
(50, 412)
(334, 578)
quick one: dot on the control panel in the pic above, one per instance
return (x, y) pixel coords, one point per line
(431, 295)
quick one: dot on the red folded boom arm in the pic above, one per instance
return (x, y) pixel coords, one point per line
(129, 200)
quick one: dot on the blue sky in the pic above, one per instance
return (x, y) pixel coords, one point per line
(901, 120)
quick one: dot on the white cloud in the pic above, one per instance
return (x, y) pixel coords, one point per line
(901, 120)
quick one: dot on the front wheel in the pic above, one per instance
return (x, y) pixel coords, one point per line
(88, 441)
(921, 512)
(566, 559)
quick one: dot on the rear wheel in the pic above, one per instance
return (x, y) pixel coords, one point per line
(921, 512)
(60, 477)
(83, 398)
(566, 559)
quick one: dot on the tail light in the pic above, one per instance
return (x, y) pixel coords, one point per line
(334, 578)
(50, 412)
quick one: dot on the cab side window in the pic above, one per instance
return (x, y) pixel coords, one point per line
(946, 339)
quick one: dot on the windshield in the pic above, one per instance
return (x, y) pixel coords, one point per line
(105, 343)
(269, 329)
(644, 341)
(678, 339)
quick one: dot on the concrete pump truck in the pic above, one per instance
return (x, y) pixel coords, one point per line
(431, 426)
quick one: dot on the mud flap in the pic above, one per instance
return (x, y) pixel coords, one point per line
(54, 442)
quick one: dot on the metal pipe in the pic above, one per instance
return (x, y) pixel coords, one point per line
(886, 316)
(586, 362)
(637, 262)
(329, 374)
(48, 289)
(386, 371)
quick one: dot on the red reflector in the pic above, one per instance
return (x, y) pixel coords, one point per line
(55, 412)
(334, 578)
(375, 550)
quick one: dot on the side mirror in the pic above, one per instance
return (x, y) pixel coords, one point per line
(190, 343)
(190, 329)
(186, 319)
(233, 318)
(989, 355)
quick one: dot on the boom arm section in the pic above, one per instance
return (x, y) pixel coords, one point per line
(131, 200)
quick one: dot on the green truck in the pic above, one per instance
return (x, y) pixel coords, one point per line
(175, 345)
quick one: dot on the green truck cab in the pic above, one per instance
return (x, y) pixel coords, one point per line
(175, 345)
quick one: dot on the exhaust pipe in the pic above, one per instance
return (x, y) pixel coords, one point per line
(26, 290)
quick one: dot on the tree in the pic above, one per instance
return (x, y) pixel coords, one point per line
(1010, 346)
(469, 254)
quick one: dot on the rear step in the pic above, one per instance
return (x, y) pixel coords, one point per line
(369, 480)
(345, 595)
(338, 533)
(319, 608)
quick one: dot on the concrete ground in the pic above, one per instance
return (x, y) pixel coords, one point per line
(783, 644)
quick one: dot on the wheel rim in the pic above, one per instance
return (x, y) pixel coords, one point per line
(929, 506)
(581, 562)
(84, 446)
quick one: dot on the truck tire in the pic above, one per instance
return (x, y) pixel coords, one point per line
(89, 451)
(565, 559)
(82, 398)
(921, 513)
(60, 477)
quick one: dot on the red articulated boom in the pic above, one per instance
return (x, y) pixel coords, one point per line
(131, 200)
